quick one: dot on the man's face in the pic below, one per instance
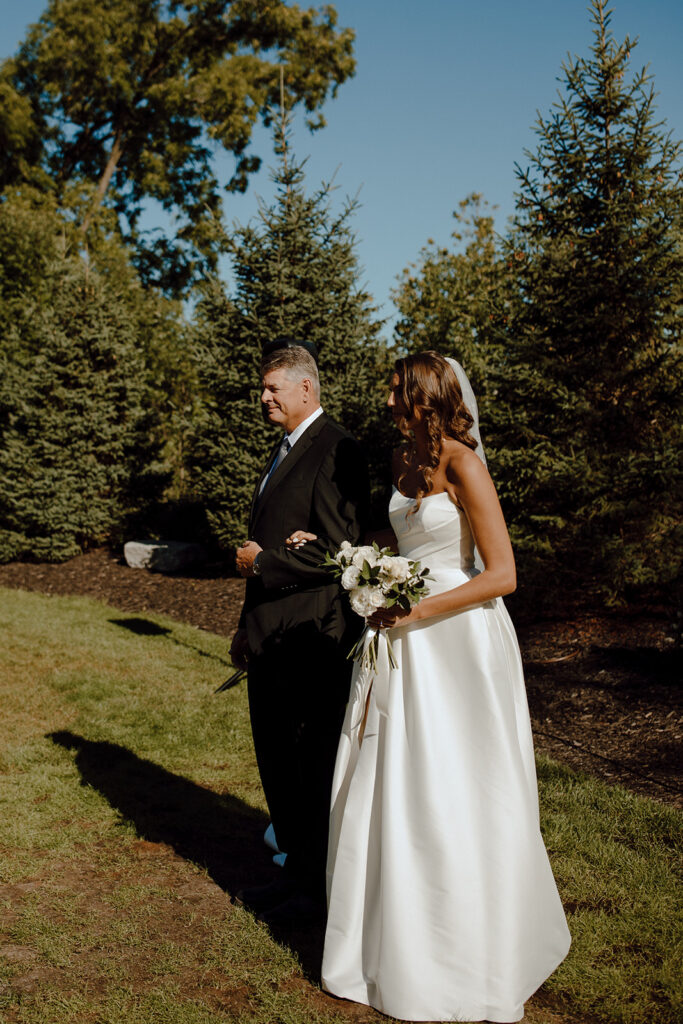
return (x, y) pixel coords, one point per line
(285, 402)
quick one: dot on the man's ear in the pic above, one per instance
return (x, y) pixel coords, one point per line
(308, 387)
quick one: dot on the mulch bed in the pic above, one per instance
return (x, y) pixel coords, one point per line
(604, 690)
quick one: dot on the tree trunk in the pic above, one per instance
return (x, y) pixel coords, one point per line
(103, 184)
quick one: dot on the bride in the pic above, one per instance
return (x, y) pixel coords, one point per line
(442, 904)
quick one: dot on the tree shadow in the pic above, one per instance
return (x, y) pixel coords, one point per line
(661, 667)
(218, 832)
(145, 627)
(142, 627)
(625, 668)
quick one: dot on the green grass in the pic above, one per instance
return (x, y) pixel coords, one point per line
(130, 807)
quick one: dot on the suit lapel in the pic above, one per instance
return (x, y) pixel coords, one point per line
(287, 465)
(264, 473)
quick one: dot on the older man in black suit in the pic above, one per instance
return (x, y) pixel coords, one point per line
(296, 628)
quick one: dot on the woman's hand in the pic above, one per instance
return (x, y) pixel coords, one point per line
(387, 618)
(299, 538)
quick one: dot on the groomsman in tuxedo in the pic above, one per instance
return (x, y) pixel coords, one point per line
(296, 627)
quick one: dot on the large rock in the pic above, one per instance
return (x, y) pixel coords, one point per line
(162, 555)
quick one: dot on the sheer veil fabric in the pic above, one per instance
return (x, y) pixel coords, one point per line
(442, 903)
(470, 402)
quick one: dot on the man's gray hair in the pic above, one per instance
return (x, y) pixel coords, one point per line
(298, 363)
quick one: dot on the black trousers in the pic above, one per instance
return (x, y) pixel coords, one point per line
(297, 700)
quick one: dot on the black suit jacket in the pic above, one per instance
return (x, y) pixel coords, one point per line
(295, 606)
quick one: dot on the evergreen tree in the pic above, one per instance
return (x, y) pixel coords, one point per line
(35, 236)
(78, 446)
(455, 300)
(296, 275)
(31, 239)
(587, 440)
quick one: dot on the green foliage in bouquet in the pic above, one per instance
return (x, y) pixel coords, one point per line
(405, 591)
(375, 578)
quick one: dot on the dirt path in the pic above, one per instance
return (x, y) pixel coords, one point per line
(604, 691)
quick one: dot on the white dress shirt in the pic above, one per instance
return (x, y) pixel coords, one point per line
(291, 440)
(304, 425)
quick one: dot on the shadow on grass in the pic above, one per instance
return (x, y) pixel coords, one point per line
(216, 831)
(145, 627)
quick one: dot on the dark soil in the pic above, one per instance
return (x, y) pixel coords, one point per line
(604, 690)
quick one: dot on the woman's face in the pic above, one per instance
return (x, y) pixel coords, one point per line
(403, 416)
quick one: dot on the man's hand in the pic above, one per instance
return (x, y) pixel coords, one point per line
(239, 649)
(244, 558)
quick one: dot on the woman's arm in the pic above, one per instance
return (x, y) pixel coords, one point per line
(472, 488)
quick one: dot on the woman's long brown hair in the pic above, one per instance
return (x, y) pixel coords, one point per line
(428, 382)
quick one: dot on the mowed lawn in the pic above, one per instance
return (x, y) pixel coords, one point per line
(130, 809)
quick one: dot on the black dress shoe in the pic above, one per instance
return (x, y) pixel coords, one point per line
(263, 897)
(298, 909)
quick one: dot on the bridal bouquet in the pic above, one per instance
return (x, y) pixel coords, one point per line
(376, 578)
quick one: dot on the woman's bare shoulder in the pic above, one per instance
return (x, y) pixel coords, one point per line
(463, 465)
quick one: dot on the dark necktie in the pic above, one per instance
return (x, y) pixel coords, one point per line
(282, 453)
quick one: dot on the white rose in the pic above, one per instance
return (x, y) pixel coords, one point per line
(361, 601)
(365, 553)
(376, 597)
(342, 556)
(350, 577)
(399, 569)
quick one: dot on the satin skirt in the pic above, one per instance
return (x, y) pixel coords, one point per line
(442, 902)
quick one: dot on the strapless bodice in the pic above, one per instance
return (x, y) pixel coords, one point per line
(438, 534)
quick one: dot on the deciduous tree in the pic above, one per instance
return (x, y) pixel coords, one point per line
(132, 98)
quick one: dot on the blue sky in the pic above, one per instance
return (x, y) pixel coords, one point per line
(443, 103)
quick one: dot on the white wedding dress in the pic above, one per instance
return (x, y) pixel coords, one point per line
(442, 903)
